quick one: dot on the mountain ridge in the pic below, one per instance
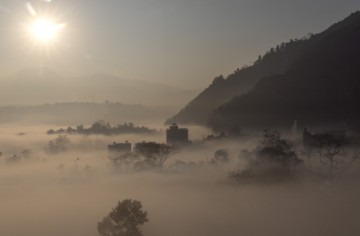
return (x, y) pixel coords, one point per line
(321, 88)
(284, 56)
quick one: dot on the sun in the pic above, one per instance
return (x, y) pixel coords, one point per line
(44, 30)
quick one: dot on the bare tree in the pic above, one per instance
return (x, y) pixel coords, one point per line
(155, 154)
(331, 152)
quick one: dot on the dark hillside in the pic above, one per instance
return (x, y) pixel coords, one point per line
(275, 61)
(322, 87)
(283, 59)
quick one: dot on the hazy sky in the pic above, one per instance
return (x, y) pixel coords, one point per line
(180, 42)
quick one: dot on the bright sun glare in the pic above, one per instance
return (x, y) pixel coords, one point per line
(44, 30)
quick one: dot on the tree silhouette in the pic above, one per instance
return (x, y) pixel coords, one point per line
(220, 156)
(155, 154)
(277, 151)
(60, 144)
(124, 220)
(331, 152)
(273, 160)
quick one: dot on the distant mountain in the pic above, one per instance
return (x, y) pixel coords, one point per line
(32, 86)
(76, 113)
(321, 87)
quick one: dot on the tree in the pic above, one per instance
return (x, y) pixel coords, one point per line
(124, 220)
(124, 160)
(277, 151)
(331, 148)
(273, 160)
(218, 79)
(220, 156)
(100, 127)
(155, 154)
(60, 144)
